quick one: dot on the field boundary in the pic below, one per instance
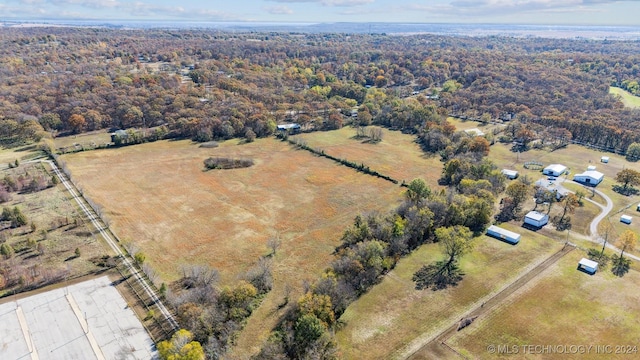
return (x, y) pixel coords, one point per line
(301, 144)
(489, 304)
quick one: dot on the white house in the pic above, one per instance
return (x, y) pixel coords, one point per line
(510, 174)
(604, 159)
(536, 219)
(503, 234)
(589, 177)
(554, 170)
(588, 266)
(626, 219)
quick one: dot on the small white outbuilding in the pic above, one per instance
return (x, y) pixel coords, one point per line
(604, 159)
(588, 266)
(510, 174)
(536, 219)
(554, 170)
(625, 219)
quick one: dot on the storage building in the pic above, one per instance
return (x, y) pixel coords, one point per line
(510, 174)
(589, 177)
(588, 266)
(554, 170)
(625, 219)
(604, 159)
(503, 234)
(536, 219)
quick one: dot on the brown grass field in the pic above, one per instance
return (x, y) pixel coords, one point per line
(397, 155)
(383, 322)
(159, 197)
(563, 306)
(57, 234)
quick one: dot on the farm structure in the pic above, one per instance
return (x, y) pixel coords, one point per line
(503, 234)
(588, 266)
(552, 186)
(291, 128)
(554, 170)
(626, 219)
(510, 174)
(474, 132)
(589, 177)
(604, 159)
(536, 219)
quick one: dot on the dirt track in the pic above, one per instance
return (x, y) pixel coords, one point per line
(437, 348)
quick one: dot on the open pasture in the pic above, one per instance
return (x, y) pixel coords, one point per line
(159, 197)
(84, 140)
(397, 155)
(628, 99)
(393, 318)
(563, 306)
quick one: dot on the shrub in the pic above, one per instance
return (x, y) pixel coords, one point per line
(227, 163)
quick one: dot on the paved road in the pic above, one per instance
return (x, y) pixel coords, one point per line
(95, 220)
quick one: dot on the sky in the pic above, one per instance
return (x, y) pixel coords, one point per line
(556, 12)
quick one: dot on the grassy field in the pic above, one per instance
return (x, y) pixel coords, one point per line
(90, 139)
(562, 307)
(159, 197)
(388, 318)
(397, 155)
(628, 99)
(468, 124)
(46, 252)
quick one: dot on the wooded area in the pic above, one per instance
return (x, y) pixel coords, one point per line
(214, 85)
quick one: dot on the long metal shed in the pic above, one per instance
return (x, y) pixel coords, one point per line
(503, 234)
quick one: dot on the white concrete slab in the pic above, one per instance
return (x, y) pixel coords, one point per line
(65, 329)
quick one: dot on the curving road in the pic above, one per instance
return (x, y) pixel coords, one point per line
(593, 227)
(95, 220)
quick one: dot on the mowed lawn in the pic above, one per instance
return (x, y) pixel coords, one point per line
(628, 99)
(563, 306)
(397, 155)
(393, 318)
(159, 197)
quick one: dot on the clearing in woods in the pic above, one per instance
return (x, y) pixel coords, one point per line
(628, 99)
